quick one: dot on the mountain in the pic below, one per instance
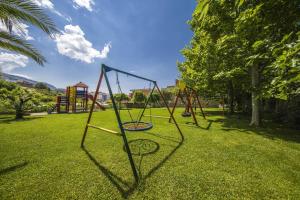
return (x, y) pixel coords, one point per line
(15, 78)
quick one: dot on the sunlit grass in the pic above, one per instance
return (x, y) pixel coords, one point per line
(41, 158)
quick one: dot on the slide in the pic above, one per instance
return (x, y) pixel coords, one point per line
(97, 103)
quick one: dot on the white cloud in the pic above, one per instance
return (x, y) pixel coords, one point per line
(84, 3)
(10, 61)
(44, 3)
(20, 30)
(73, 44)
(21, 75)
(47, 4)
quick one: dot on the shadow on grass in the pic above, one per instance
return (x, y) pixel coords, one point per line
(13, 168)
(193, 125)
(240, 123)
(125, 188)
(211, 112)
(9, 120)
(169, 138)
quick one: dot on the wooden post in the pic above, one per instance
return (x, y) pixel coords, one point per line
(189, 105)
(92, 109)
(174, 106)
(198, 100)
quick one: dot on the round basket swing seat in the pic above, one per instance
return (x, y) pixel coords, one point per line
(186, 114)
(137, 126)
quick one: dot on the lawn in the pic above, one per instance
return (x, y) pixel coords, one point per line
(41, 158)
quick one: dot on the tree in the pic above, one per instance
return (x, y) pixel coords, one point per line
(121, 97)
(20, 98)
(168, 95)
(154, 98)
(14, 12)
(41, 85)
(241, 47)
(139, 97)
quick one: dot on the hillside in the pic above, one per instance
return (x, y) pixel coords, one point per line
(15, 78)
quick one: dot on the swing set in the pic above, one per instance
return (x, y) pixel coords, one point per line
(136, 124)
(191, 101)
(132, 124)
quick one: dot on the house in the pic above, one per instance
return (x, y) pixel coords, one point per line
(102, 96)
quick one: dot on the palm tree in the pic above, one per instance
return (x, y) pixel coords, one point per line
(14, 12)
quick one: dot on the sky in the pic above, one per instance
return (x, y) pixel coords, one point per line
(143, 37)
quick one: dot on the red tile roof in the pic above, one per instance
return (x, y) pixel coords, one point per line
(81, 84)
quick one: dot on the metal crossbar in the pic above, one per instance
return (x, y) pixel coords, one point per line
(157, 116)
(107, 69)
(103, 129)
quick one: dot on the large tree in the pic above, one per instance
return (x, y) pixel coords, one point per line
(242, 46)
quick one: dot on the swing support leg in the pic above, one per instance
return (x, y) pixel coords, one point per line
(92, 109)
(147, 102)
(166, 104)
(190, 106)
(133, 167)
(199, 103)
(175, 103)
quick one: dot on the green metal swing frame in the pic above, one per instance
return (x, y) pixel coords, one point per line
(104, 70)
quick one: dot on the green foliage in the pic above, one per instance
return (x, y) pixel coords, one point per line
(154, 98)
(168, 95)
(233, 37)
(139, 97)
(41, 85)
(21, 100)
(121, 97)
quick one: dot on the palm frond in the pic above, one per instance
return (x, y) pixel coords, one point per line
(28, 12)
(17, 44)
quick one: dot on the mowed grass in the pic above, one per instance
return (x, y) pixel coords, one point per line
(41, 158)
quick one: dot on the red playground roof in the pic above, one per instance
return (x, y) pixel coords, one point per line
(81, 84)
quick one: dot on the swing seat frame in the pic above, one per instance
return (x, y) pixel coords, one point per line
(186, 114)
(137, 126)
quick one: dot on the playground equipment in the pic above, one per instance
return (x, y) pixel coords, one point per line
(133, 125)
(98, 103)
(75, 100)
(191, 101)
(136, 125)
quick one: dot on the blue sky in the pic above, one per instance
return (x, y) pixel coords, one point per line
(139, 36)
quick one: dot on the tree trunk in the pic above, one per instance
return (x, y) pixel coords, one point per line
(255, 119)
(20, 110)
(231, 97)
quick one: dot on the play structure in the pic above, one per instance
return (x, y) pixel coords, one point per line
(190, 98)
(136, 123)
(75, 99)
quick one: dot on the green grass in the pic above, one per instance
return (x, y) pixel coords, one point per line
(41, 158)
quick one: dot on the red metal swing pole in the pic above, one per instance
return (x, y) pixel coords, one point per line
(92, 108)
